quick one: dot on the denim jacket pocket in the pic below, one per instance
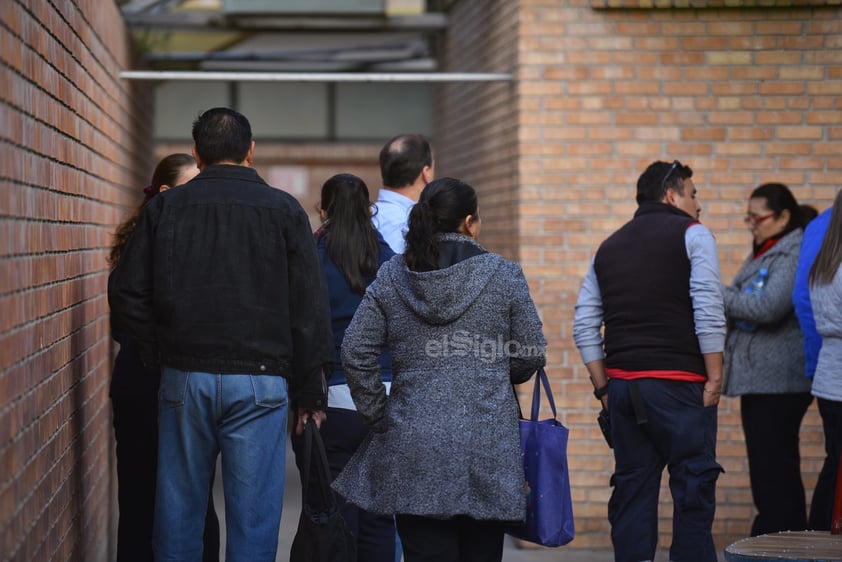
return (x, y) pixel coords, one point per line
(174, 387)
(270, 391)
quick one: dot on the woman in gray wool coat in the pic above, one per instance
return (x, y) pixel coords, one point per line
(764, 361)
(444, 453)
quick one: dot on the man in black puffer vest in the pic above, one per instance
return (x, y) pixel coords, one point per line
(655, 287)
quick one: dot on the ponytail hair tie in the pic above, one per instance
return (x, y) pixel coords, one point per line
(148, 190)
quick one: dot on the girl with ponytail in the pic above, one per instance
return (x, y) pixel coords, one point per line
(446, 205)
(461, 328)
(350, 239)
(351, 251)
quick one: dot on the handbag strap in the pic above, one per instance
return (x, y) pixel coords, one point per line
(311, 437)
(541, 379)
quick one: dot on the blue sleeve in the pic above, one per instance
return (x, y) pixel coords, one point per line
(810, 245)
(705, 292)
(587, 321)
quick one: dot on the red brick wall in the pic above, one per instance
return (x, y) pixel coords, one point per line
(743, 96)
(75, 144)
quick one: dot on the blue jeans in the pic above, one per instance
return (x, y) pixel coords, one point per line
(245, 418)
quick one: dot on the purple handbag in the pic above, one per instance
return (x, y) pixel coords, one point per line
(543, 445)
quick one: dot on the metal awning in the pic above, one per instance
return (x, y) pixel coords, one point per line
(285, 36)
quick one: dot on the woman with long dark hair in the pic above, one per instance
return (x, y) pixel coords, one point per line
(444, 453)
(134, 403)
(826, 296)
(764, 359)
(351, 252)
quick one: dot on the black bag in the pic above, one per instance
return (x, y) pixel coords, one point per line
(322, 535)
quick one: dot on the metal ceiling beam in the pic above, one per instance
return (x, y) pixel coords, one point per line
(421, 22)
(172, 75)
(373, 51)
(413, 65)
(215, 21)
(138, 6)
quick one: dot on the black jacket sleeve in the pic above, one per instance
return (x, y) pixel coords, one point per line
(309, 308)
(130, 288)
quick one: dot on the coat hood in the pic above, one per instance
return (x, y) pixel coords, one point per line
(441, 296)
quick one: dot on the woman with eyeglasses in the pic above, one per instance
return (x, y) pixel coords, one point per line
(764, 359)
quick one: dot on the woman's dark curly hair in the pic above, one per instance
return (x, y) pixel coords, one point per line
(166, 173)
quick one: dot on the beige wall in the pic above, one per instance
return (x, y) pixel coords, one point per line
(74, 143)
(476, 129)
(743, 96)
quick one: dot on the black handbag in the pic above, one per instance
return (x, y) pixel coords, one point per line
(322, 534)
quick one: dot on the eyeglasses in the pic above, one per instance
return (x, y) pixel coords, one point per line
(675, 165)
(755, 220)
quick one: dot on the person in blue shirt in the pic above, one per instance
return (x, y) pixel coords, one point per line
(810, 244)
(406, 166)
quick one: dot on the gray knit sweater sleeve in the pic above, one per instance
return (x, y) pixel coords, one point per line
(527, 346)
(827, 304)
(775, 304)
(364, 340)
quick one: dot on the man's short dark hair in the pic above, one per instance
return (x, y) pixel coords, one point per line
(652, 185)
(403, 158)
(221, 135)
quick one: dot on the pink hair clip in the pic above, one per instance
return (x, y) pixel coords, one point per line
(148, 190)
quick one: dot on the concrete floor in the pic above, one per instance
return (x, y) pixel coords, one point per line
(511, 551)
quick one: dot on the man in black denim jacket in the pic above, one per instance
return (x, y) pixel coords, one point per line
(221, 286)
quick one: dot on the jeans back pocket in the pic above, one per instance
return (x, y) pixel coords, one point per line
(174, 386)
(270, 391)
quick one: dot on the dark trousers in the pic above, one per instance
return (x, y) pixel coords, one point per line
(460, 539)
(771, 423)
(342, 432)
(657, 424)
(821, 508)
(135, 421)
